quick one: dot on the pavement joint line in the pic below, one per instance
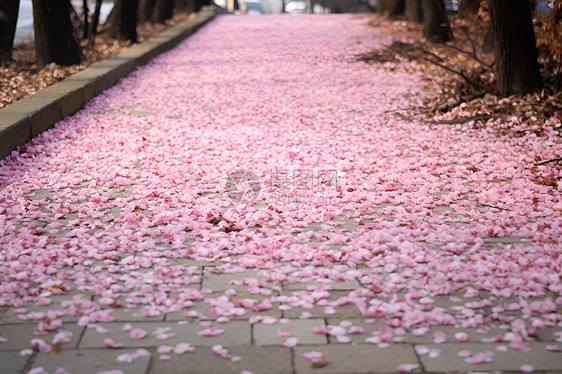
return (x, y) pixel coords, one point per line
(27, 118)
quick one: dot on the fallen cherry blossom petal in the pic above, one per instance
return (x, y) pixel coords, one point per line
(211, 331)
(461, 336)
(109, 343)
(439, 337)
(406, 368)
(137, 333)
(291, 342)
(183, 348)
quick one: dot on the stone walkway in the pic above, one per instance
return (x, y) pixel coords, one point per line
(247, 204)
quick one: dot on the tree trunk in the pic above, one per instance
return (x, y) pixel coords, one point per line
(185, 5)
(94, 24)
(435, 21)
(200, 3)
(86, 22)
(146, 7)
(413, 11)
(391, 8)
(515, 51)
(8, 17)
(54, 35)
(123, 24)
(468, 8)
(163, 10)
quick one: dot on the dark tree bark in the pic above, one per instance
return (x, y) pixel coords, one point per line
(54, 34)
(413, 11)
(146, 8)
(435, 21)
(8, 17)
(392, 8)
(468, 8)
(163, 10)
(185, 5)
(86, 22)
(200, 3)
(123, 23)
(94, 24)
(515, 51)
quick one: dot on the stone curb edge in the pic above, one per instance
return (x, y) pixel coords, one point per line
(26, 118)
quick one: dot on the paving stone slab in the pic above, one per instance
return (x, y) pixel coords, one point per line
(235, 333)
(130, 315)
(355, 359)
(204, 307)
(11, 317)
(302, 329)
(339, 286)
(368, 327)
(511, 360)
(11, 362)
(473, 335)
(347, 310)
(20, 334)
(547, 334)
(225, 281)
(190, 262)
(91, 361)
(259, 360)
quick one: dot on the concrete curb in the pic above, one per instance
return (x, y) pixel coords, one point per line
(24, 119)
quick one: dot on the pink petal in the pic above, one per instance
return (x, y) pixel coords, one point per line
(137, 333)
(211, 331)
(109, 343)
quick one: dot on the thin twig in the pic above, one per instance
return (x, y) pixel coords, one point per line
(471, 55)
(400, 110)
(463, 120)
(428, 52)
(557, 159)
(493, 206)
(460, 73)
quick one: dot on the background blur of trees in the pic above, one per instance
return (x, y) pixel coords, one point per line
(525, 39)
(59, 28)
(519, 33)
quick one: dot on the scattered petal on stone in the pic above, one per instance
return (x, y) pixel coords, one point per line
(211, 331)
(439, 337)
(461, 336)
(406, 368)
(109, 343)
(422, 349)
(164, 349)
(183, 348)
(40, 345)
(291, 342)
(137, 333)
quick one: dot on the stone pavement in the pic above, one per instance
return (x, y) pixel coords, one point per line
(351, 242)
